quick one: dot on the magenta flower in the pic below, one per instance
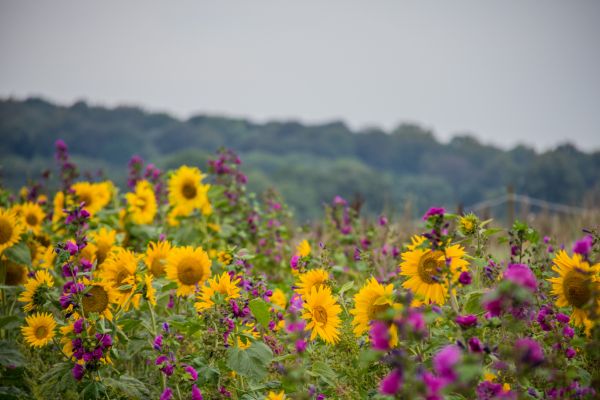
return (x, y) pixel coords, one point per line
(475, 345)
(166, 394)
(380, 336)
(465, 278)
(466, 321)
(78, 372)
(445, 360)
(300, 346)
(583, 246)
(529, 351)
(294, 262)
(392, 383)
(434, 211)
(190, 370)
(521, 275)
(196, 394)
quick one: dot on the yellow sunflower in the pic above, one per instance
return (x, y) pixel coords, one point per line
(16, 274)
(32, 216)
(39, 330)
(10, 229)
(58, 207)
(104, 241)
(243, 341)
(276, 396)
(98, 297)
(119, 270)
(279, 299)
(310, 279)
(173, 216)
(35, 288)
(425, 271)
(141, 204)
(156, 257)
(44, 257)
(221, 285)
(224, 257)
(149, 290)
(576, 284)
(95, 195)
(188, 267)
(303, 249)
(321, 311)
(186, 191)
(371, 301)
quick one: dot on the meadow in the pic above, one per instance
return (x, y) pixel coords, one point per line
(189, 286)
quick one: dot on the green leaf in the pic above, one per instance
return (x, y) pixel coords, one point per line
(260, 311)
(347, 286)
(322, 370)
(10, 356)
(252, 362)
(128, 386)
(19, 253)
(9, 322)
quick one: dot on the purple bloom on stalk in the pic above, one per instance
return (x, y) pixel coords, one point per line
(521, 275)
(161, 359)
(78, 326)
(570, 353)
(466, 321)
(78, 372)
(196, 393)
(434, 384)
(380, 336)
(417, 322)
(71, 247)
(434, 211)
(445, 360)
(383, 220)
(300, 346)
(475, 345)
(392, 383)
(105, 340)
(493, 307)
(487, 390)
(166, 394)
(338, 201)
(562, 318)
(294, 262)
(465, 278)
(583, 246)
(529, 351)
(568, 332)
(158, 341)
(190, 370)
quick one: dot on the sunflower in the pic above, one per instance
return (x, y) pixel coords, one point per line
(156, 256)
(371, 302)
(310, 279)
(10, 229)
(16, 274)
(224, 257)
(425, 271)
(188, 267)
(149, 290)
(95, 196)
(416, 241)
(44, 257)
(221, 285)
(322, 313)
(186, 191)
(35, 289)
(58, 207)
(39, 330)
(576, 284)
(32, 216)
(104, 241)
(119, 271)
(243, 340)
(276, 396)
(142, 203)
(279, 299)
(98, 297)
(303, 249)
(173, 216)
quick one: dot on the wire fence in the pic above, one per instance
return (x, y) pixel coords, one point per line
(526, 201)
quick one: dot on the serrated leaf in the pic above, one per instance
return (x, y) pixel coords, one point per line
(260, 311)
(252, 362)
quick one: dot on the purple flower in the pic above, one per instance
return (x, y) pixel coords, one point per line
(294, 262)
(380, 336)
(161, 359)
(570, 353)
(445, 360)
(529, 351)
(434, 384)
(338, 201)
(190, 370)
(166, 394)
(165, 326)
(168, 369)
(300, 346)
(568, 332)
(583, 246)
(71, 247)
(562, 318)
(465, 278)
(383, 220)
(78, 326)
(78, 372)
(196, 394)
(391, 384)
(475, 345)
(521, 275)
(466, 321)
(416, 321)
(434, 211)
(487, 390)
(158, 341)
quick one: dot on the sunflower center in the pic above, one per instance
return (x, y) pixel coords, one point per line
(320, 314)
(101, 253)
(189, 190)
(15, 274)
(430, 266)
(375, 310)
(122, 277)
(577, 289)
(31, 219)
(86, 198)
(6, 231)
(41, 332)
(96, 300)
(157, 267)
(189, 273)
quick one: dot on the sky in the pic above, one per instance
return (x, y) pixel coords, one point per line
(508, 72)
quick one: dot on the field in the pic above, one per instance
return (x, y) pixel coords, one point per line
(187, 285)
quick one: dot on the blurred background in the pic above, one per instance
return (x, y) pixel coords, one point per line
(394, 105)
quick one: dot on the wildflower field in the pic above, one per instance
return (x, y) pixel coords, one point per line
(186, 286)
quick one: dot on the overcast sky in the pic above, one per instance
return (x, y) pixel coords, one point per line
(515, 71)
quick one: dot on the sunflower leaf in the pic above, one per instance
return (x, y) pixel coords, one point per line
(19, 253)
(252, 362)
(260, 311)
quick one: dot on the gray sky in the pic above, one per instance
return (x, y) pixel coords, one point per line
(509, 71)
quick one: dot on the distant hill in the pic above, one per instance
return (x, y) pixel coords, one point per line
(308, 164)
